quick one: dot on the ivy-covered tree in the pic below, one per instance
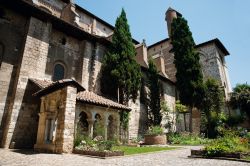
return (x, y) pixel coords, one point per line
(212, 103)
(154, 101)
(189, 79)
(121, 75)
(241, 98)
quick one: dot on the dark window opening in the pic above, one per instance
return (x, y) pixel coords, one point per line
(1, 53)
(59, 72)
(64, 41)
(2, 13)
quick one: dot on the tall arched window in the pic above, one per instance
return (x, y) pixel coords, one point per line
(59, 72)
(1, 53)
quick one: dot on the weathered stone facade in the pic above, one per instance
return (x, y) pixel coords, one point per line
(36, 36)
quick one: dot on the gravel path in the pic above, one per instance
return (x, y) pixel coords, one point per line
(176, 157)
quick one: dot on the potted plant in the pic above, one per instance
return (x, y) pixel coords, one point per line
(155, 136)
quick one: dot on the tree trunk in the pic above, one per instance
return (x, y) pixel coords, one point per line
(185, 124)
(190, 119)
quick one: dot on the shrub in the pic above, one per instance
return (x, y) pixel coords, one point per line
(155, 130)
(186, 139)
(105, 145)
(78, 139)
(227, 144)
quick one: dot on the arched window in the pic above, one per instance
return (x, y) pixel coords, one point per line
(59, 72)
(1, 53)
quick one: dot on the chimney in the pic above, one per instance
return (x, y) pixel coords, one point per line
(170, 15)
(69, 13)
(159, 62)
(142, 54)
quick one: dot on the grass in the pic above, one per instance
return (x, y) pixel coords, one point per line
(179, 139)
(138, 150)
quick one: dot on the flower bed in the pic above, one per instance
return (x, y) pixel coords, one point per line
(99, 153)
(237, 155)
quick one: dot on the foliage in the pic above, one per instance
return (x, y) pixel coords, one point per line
(124, 118)
(211, 106)
(154, 98)
(189, 78)
(78, 139)
(121, 75)
(138, 150)
(186, 139)
(241, 98)
(97, 144)
(230, 143)
(120, 72)
(98, 129)
(234, 120)
(166, 111)
(105, 145)
(180, 107)
(155, 130)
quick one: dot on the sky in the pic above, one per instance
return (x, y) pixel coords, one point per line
(227, 20)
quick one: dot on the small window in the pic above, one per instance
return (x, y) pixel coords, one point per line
(1, 53)
(59, 72)
(64, 41)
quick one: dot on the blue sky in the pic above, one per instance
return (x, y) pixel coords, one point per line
(228, 20)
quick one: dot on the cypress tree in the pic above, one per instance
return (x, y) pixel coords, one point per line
(189, 78)
(155, 116)
(121, 75)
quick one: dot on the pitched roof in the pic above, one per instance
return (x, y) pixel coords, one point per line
(49, 86)
(217, 42)
(92, 98)
(157, 43)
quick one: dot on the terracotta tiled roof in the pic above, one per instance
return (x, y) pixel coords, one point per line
(49, 86)
(41, 83)
(93, 98)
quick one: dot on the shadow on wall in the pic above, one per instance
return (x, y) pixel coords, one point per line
(25, 132)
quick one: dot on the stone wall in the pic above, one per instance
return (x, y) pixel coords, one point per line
(59, 107)
(163, 50)
(168, 95)
(33, 65)
(12, 34)
(213, 65)
(65, 50)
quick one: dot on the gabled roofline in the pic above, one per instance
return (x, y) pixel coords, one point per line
(159, 42)
(217, 42)
(97, 18)
(58, 85)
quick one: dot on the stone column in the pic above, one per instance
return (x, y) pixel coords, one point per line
(41, 125)
(106, 123)
(69, 119)
(91, 127)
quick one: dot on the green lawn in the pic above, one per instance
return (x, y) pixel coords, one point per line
(137, 150)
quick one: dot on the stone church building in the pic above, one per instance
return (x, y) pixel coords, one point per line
(50, 61)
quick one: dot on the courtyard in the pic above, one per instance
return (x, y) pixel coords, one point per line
(177, 157)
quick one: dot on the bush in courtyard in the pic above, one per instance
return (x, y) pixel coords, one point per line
(186, 139)
(155, 130)
(230, 143)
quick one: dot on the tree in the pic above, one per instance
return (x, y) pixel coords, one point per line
(181, 109)
(212, 104)
(155, 116)
(121, 75)
(241, 98)
(189, 79)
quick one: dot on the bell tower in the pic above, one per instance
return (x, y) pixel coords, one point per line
(171, 14)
